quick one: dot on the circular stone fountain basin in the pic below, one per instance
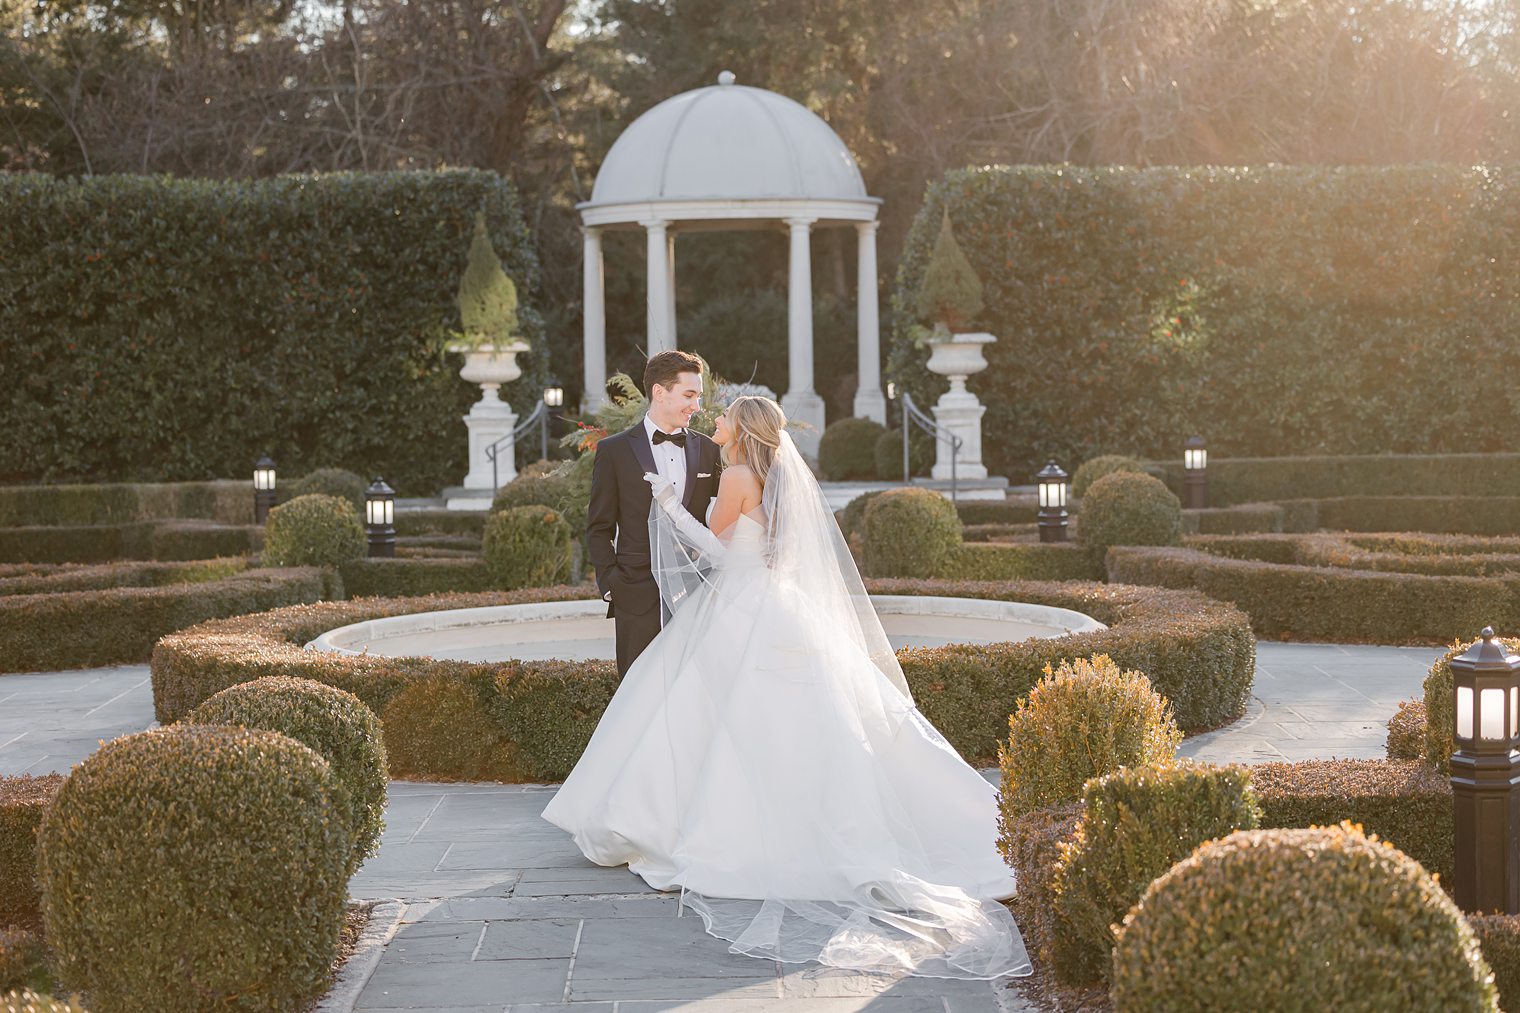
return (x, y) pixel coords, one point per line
(579, 630)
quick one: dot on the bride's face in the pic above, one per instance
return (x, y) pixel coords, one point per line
(724, 433)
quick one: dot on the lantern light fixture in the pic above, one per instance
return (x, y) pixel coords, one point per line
(263, 488)
(380, 518)
(1054, 490)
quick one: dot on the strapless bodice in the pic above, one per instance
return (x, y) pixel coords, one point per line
(746, 542)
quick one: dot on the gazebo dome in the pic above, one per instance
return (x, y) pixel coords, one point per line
(727, 142)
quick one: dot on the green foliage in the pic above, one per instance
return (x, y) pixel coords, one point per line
(320, 328)
(196, 867)
(155, 539)
(1296, 287)
(1020, 561)
(314, 530)
(119, 625)
(1005, 511)
(1404, 802)
(852, 517)
(1094, 468)
(440, 729)
(1499, 939)
(28, 1001)
(1327, 604)
(1237, 480)
(331, 482)
(847, 450)
(487, 298)
(909, 532)
(1086, 718)
(1125, 508)
(951, 293)
(558, 489)
(229, 502)
(889, 456)
(336, 724)
(23, 802)
(1406, 731)
(1298, 920)
(1031, 845)
(527, 546)
(1137, 822)
(549, 710)
(380, 577)
(23, 960)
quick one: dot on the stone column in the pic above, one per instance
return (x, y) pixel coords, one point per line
(801, 401)
(594, 325)
(657, 329)
(869, 402)
(670, 286)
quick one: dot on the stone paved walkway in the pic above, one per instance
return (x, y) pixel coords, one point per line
(501, 912)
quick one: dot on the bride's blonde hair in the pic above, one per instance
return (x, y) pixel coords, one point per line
(756, 423)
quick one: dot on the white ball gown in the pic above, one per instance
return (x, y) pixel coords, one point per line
(758, 759)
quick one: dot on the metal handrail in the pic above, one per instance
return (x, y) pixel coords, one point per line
(912, 414)
(537, 417)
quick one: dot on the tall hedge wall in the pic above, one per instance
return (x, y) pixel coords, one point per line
(1277, 311)
(170, 329)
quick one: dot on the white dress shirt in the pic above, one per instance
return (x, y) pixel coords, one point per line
(669, 459)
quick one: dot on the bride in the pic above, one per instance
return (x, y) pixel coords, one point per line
(764, 754)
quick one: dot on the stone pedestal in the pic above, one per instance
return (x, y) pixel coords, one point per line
(958, 410)
(491, 418)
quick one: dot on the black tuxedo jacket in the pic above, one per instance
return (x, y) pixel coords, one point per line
(619, 509)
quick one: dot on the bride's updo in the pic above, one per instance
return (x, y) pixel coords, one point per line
(757, 423)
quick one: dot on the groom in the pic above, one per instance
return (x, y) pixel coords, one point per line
(617, 520)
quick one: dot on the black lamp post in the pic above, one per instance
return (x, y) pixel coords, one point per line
(1485, 777)
(1053, 491)
(554, 397)
(1195, 482)
(263, 488)
(380, 518)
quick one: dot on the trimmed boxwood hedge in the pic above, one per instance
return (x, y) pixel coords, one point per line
(82, 629)
(225, 501)
(1235, 480)
(379, 577)
(52, 578)
(1021, 561)
(1013, 510)
(1156, 302)
(1328, 604)
(114, 303)
(23, 802)
(1198, 653)
(1405, 802)
(140, 540)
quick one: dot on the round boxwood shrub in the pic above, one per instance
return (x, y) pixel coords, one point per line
(1406, 732)
(196, 867)
(1316, 919)
(889, 454)
(852, 517)
(555, 489)
(1499, 939)
(314, 530)
(1126, 508)
(527, 546)
(333, 722)
(337, 482)
(1136, 823)
(27, 1001)
(1084, 719)
(909, 533)
(847, 450)
(1090, 471)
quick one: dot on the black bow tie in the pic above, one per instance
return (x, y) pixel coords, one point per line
(678, 438)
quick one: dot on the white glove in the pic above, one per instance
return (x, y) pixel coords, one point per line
(664, 491)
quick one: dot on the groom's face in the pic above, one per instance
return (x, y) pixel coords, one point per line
(680, 402)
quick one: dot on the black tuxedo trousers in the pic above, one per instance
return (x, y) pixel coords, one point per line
(617, 528)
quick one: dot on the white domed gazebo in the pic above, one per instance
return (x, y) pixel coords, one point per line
(733, 157)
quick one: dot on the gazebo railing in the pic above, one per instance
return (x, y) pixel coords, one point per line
(535, 418)
(912, 416)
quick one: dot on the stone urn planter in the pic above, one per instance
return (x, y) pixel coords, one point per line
(490, 419)
(958, 356)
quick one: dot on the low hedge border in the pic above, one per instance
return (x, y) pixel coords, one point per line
(1236, 520)
(440, 522)
(136, 540)
(1235, 480)
(410, 577)
(1404, 552)
(228, 501)
(23, 802)
(95, 577)
(1328, 604)
(83, 629)
(1012, 510)
(1021, 561)
(1404, 802)
(1197, 652)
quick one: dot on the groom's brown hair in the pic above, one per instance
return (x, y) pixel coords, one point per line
(664, 368)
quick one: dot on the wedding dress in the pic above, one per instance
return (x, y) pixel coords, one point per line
(763, 755)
